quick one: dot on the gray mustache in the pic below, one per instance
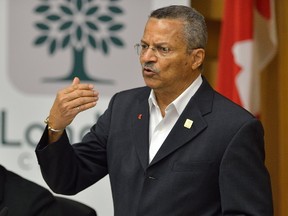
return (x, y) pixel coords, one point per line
(150, 66)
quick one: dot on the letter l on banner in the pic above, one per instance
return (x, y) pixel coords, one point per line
(248, 42)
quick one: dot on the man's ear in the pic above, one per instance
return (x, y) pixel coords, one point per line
(198, 56)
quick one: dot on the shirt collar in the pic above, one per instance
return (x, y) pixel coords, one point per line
(182, 100)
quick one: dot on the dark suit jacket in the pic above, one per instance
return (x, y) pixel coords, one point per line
(20, 197)
(214, 168)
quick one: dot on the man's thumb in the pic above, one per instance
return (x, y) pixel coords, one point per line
(76, 80)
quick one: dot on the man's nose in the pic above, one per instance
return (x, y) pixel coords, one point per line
(149, 55)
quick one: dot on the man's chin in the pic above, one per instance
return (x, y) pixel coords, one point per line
(150, 83)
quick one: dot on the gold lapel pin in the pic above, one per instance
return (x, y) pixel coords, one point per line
(188, 123)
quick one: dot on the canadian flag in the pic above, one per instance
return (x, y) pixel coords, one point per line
(248, 42)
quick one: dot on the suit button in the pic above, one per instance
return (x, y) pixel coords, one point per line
(152, 178)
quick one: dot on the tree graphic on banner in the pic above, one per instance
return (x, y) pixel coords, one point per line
(79, 25)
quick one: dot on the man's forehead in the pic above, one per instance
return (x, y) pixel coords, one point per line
(163, 29)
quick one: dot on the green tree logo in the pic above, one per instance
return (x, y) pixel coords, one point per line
(79, 25)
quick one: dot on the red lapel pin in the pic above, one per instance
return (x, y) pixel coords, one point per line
(139, 116)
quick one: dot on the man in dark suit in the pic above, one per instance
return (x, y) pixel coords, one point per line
(21, 197)
(174, 147)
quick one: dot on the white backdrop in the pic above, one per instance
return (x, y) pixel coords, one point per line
(22, 111)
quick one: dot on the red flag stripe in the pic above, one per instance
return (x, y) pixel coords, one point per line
(237, 25)
(264, 8)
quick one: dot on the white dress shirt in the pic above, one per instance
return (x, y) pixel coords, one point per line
(160, 126)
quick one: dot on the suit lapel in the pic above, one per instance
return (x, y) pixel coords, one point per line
(199, 105)
(140, 128)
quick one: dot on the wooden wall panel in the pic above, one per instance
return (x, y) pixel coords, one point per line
(282, 21)
(270, 119)
(275, 113)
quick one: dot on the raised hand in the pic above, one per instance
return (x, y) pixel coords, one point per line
(68, 103)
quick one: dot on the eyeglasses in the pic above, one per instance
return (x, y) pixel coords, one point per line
(159, 51)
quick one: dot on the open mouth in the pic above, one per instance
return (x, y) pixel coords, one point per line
(149, 70)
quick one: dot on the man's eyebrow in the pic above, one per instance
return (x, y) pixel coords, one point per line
(155, 44)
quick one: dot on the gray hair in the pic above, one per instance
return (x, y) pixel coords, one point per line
(195, 29)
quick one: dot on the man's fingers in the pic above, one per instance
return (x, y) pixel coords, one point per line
(81, 95)
(76, 84)
(84, 107)
(76, 87)
(70, 102)
(83, 101)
